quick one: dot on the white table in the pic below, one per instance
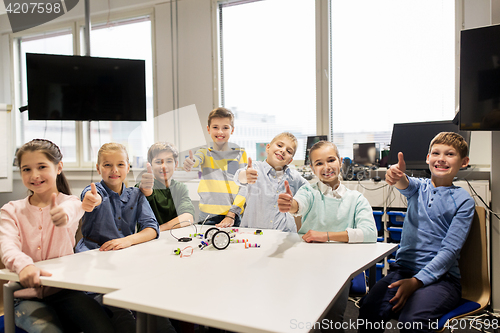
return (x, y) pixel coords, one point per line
(284, 285)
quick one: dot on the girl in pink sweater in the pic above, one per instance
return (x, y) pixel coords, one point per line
(43, 226)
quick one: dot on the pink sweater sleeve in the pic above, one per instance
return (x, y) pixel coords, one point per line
(10, 240)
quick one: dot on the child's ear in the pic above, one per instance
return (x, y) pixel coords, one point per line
(59, 167)
(176, 163)
(465, 161)
(98, 169)
(427, 159)
(232, 129)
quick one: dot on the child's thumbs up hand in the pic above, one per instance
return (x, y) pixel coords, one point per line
(285, 199)
(91, 199)
(251, 173)
(57, 213)
(148, 180)
(396, 171)
(189, 162)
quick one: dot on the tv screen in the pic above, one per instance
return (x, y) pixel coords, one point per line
(413, 139)
(480, 79)
(85, 88)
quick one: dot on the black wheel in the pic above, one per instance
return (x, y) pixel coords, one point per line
(210, 232)
(221, 240)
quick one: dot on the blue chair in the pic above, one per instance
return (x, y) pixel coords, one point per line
(358, 285)
(476, 290)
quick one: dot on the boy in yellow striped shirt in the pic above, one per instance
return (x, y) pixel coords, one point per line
(221, 200)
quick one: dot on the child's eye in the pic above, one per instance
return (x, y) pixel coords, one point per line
(25, 170)
(290, 152)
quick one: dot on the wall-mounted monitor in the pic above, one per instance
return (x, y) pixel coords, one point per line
(480, 79)
(85, 88)
(413, 139)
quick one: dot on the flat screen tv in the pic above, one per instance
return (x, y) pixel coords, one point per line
(85, 88)
(413, 139)
(480, 79)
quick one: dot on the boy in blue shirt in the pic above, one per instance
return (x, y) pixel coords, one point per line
(265, 181)
(424, 283)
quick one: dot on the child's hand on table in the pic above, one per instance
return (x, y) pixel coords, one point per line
(29, 276)
(226, 222)
(313, 236)
(116, 244)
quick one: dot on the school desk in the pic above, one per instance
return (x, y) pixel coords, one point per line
(284, 285)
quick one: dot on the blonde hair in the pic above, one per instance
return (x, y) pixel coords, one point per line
(221, 113)
(289, 136)
(53, 154)
(159, 147)
(321, 144)
(452, 139)
(111, 147)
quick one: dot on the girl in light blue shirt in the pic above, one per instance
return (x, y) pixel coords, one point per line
(330, 211)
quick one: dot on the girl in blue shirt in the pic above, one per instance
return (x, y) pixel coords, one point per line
(113, 210)
(112, 213)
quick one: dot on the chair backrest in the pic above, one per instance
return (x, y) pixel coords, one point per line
(473, 262)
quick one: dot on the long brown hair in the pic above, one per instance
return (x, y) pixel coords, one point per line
(53, 153)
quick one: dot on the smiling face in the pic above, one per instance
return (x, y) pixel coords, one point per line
(220, 130)
(280, 152)
(164, 166)
(113, 167)
(38, 173)
(326, 165)
(444, 163)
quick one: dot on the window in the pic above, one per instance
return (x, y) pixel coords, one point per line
(391, 62)
(127, 38)
(60, 132)
(268, 70)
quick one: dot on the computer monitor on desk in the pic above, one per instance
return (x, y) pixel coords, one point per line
(413, 139)
(311, 140)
